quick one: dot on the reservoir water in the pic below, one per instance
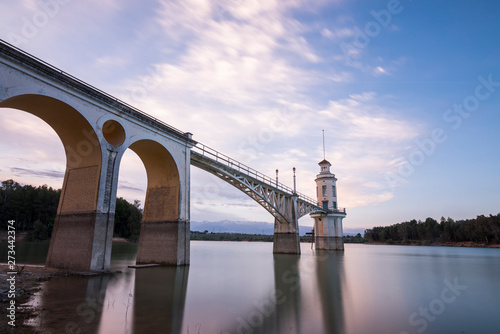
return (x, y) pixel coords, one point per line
(241, 287)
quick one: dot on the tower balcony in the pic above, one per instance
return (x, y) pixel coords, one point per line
(336, 210)
(332, 209)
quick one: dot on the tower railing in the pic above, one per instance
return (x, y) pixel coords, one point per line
(244, 169)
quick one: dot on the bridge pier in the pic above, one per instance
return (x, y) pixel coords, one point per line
(286, 243)
(164, 242)
(83, 230)
(164, 236)
(286, 232)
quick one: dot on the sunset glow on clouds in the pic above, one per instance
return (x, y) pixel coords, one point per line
(260, 80)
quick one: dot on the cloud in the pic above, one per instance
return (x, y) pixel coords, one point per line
(357, 119)
(243, 77)
(21, 172)
(367, 138)
(123, 185)
(338, 34)
(380, 71)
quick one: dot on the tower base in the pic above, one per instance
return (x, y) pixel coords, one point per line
(328, 231)
(329, 243)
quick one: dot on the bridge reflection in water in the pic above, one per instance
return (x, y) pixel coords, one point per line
(308, 297)
(160, 295)
(249, 291)
(72, 304)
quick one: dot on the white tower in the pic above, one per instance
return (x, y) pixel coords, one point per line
(328, 233)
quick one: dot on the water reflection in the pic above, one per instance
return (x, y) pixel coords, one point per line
(330, 276)
(72, 304)
(159, 298)
(288, 292)
(308, 297)
(243, 288)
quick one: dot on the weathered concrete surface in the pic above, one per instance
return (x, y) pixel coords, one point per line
(77, 241)
(328, 231)
(286, 232)
(164, 242)
(286, 243)
(329, 243)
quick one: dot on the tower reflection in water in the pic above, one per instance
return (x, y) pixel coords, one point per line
(308, 297)
(329, 273)
(159, 298)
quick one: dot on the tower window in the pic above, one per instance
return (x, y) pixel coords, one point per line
(334, 191)
(323, 190)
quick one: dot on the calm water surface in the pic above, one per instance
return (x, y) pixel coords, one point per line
(239, 287)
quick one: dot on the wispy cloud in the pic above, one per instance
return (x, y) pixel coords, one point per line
(246, 78)
(367, 138)
(21, 172)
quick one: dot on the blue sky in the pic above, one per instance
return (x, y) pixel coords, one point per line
(406, 92)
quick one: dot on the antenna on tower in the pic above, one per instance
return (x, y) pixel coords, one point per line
(324, 155)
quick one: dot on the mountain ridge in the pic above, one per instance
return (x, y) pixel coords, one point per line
(252, 227)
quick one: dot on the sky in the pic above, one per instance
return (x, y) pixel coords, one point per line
(407, 92)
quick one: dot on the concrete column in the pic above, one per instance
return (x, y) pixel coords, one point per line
(164, 236)
(286, 232)
(83, 231)
(162, 240)
(328, 233)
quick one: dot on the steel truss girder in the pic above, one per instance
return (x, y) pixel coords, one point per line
(276, 201)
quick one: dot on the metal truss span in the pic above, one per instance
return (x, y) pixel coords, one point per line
(275, 197)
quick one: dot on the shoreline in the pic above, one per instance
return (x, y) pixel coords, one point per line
(28, 281)
(470, 244)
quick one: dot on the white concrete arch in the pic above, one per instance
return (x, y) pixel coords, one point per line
(80, 113)
(164, 236)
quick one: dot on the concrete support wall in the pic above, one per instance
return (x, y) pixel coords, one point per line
(328, 231)
(165, 229)
(286, 232)
(164, 242)
(83, 231)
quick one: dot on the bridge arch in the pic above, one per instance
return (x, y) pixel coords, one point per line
(81, 114)
(164, 235)
(79, 139)
(80, 217)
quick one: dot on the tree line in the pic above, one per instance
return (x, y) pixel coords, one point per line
(482, 230)
(34, 209)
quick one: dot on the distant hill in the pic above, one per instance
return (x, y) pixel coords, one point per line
(251, 227)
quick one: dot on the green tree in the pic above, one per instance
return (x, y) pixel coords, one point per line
(127, 219)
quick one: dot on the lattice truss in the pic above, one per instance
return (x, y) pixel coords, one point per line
(276, 201)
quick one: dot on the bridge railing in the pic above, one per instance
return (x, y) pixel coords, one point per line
(96, 90)
(242, 168)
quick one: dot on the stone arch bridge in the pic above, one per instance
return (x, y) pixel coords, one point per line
(96, 129)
